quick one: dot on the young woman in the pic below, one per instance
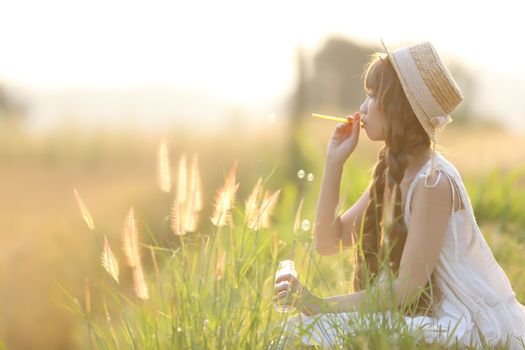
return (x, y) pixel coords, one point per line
(436, 244)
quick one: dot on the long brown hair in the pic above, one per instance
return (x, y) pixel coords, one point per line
(404, 136)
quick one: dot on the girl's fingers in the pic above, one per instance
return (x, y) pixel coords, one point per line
(292, 285)
(284, 296)
(280, 295)
(284, 277)
(281, 286)
(285, 286)
(348, 127)
(354, 120)
(356, 125)
(341, 127)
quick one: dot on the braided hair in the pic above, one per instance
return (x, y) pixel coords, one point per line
(404, 136)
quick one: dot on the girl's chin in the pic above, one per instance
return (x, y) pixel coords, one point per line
(373, 137)
(370, 137)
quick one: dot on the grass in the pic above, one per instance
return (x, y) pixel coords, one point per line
(213, 289)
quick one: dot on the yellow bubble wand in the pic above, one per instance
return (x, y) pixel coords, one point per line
(336, 119)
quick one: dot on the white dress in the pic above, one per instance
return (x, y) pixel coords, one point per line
(477, 297)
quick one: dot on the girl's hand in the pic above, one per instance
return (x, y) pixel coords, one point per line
(289, 290)
(344, 139)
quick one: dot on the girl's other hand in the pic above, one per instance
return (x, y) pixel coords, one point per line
(290, 291)
(344, 139)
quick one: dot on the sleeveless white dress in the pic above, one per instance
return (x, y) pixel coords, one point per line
(478, 304)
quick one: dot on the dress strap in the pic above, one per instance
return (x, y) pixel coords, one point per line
(411, 187)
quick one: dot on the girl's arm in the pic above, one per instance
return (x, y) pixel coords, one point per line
(350, 220)
(328, 230)
(426, 232)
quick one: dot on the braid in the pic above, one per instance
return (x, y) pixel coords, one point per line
(397, 158)
(368, 260)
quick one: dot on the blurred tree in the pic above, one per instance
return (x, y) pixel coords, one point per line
(467, 84)
(11, 110)
(336, 84)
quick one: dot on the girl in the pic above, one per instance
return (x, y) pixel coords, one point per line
(437, 243)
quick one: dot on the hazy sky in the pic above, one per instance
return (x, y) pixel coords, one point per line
(242, 51)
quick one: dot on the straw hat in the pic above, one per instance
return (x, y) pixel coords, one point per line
(428, 85)
(430, 89)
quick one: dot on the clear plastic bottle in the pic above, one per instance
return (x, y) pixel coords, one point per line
(285, 267)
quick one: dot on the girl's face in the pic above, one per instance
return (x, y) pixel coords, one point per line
(373, 117)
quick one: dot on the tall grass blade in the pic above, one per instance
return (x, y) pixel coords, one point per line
(109, 262)
(84, 211)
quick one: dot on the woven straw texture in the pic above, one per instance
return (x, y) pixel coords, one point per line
(430, 88)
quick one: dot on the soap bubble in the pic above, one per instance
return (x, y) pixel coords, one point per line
(305, 225)
(271, 117)
(300, 174)
(310, 177)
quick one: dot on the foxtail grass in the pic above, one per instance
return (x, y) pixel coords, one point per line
(88, 219)
(164, 168)
(109, 261)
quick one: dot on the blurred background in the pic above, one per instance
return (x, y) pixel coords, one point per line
(88, 90)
